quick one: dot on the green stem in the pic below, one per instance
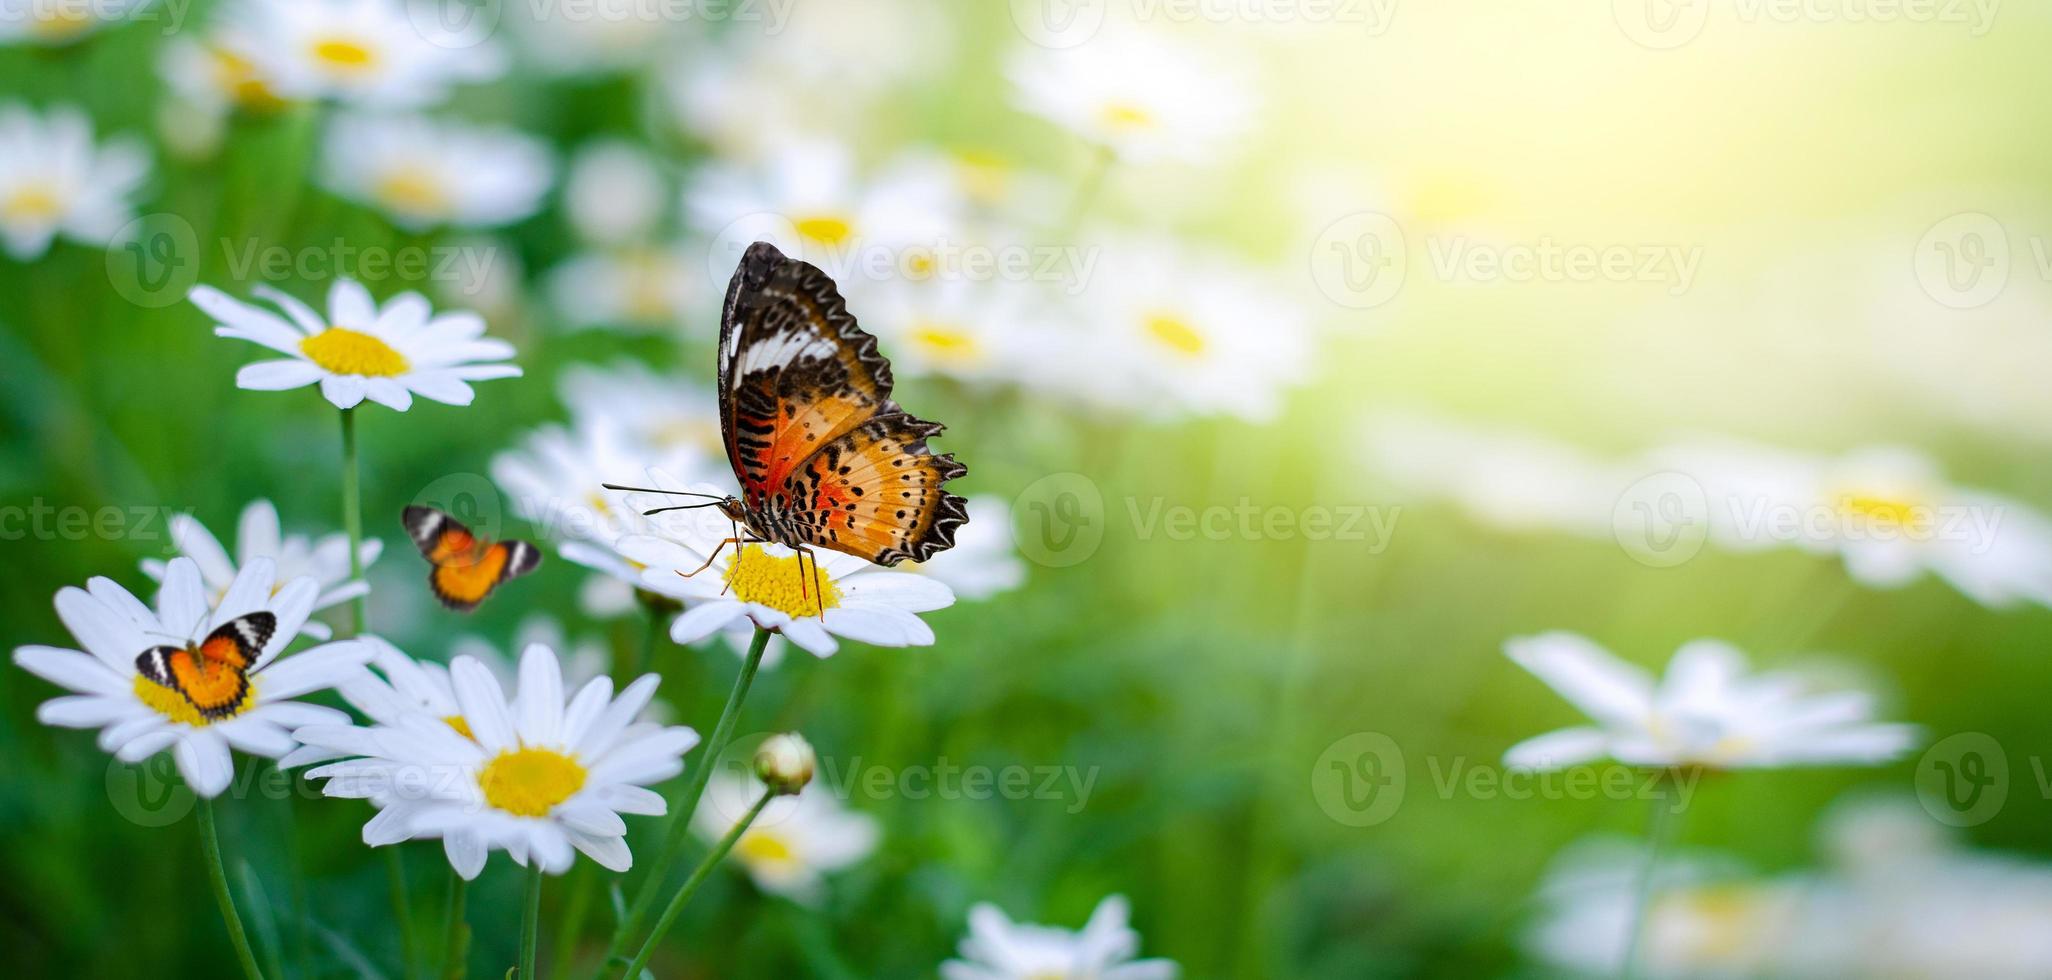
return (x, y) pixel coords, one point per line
(698, 876)
(402, 907)
(210, 843)
(352, 515)
(1087, 189)
(530, 919)
(456, 947)
(687, 802)
(648, 643)
(1659, 832)
(582, 881)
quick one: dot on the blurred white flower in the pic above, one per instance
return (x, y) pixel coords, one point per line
(668, 413)
(1503, 478)
(54, 22)
(984, 560)
(1173, 331)
(596, 35)
(487, 277)
(1104, 949)
(833, 595)
(423, 173)
(554, 477)
(139, 717)
(217, 74)
(1707, 711)
(257, 535)
(535, 776)
(376, 53)
(1888, 512)
(360, 350)
(794, 843)
(614, 193)
(55, 181)
(639, 287)
(809, 199)
(1142, 95)
(956, 328)
(1707, 918)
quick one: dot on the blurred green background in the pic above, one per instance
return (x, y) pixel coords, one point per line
(1198, 680)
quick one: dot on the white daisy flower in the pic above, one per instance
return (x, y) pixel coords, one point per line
(1104, 949)
(218, 73)
(667, 412)
(614, 192)
(761, 583)
(360, 350)
(809, 200)
(326, 561)
(1143, 96)
(1188, 332)
(1707, 712)
(55, 22)
(139, 717)
(425, 173)
(794, 843)
(535, 777)
(1503, 478)
(953, 327)
(984, 560)
(555, 477)
(1888, 512)
(376, 53)
(55, 181)
(1706, 918)
(644, 288)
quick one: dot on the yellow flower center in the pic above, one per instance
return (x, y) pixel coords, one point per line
(530, 782)
(759, 577)
(176, 706)
(344, 351)
(234, 75)
(945, 342)
(1890, 509)
(1721, 921)
(984, 176)
(60, 21)
(33, 202)
(764, 847)
(1126, 116)
(413, 189)
(462, 726)
(1175, 333)
(827, 229)
(345, 54)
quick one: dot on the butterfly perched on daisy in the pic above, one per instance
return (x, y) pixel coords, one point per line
(467, 567)
(824, 457)
(212, 676)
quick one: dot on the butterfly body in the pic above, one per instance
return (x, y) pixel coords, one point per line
(466, 567)
(825, 458)
(213, 675)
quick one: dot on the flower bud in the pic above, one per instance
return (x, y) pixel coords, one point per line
(784, 763)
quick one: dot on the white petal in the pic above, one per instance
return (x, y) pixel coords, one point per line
(611, 853)
(1605, 688)
(484, 704)
(538, 707)
(466, 853)
(182, 602)
(204, 762)
(87, 710)
(279, 375)
(72, 669)
(1558, 750)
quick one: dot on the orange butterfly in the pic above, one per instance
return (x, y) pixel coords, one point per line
(467, 569)
(824, 456)
(213, 676)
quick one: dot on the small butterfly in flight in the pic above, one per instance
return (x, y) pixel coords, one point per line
(214, 675)
(824, 457)
(467, 568)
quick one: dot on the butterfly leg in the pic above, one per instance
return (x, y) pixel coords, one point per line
(713, 557)
(803, 554)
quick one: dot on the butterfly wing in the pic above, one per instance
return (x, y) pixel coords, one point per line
(796, 372)
(155, 664)
(876, 492)
(236, 644)
(466, 568)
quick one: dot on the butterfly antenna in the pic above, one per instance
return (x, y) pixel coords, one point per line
(665, 510)
(673, 493)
